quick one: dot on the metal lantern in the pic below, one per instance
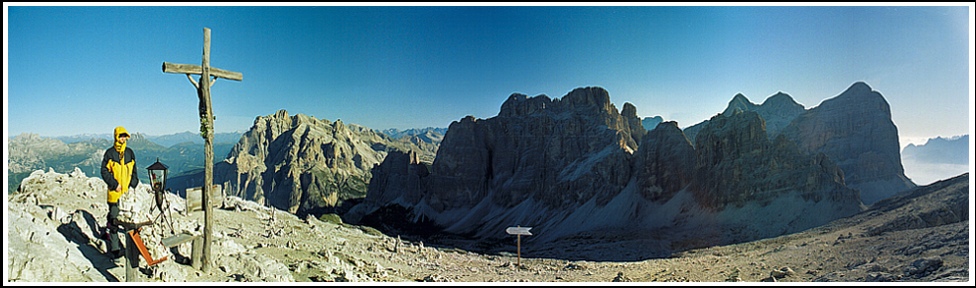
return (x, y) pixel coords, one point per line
(157, 178)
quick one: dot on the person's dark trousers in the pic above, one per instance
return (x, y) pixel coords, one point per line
(114, 244)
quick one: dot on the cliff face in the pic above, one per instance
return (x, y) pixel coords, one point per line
(575, 165)
(665, 162)
(305, 165)
(537, 154)
(558, 152)
(777, 112)
(736, 164)
(854, 130)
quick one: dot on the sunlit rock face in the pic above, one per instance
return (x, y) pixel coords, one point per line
(306, 165)
(854, 129)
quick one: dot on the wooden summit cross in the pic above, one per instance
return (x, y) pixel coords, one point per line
(206, 128)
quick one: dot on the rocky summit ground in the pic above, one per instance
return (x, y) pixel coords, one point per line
(923, 236)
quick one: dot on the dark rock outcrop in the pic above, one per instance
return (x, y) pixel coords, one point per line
(777, 111)
(543, 152)
(665, 162)
(737, 164)
(559, 152)
(855, 130)
(575, 165)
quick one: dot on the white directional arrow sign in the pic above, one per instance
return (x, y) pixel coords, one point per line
(518, 230)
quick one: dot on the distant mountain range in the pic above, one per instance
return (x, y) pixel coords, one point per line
(951, 150)
(163, 140)
(429, 134)
(650, 123)
(182, 153)
(937, 159)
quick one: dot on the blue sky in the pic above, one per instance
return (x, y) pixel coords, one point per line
(78, 69)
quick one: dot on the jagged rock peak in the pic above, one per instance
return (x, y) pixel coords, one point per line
(588, 97)
(519, 104)
(859, 87)
(860, 93)
(281, 114)
(739, 103)
(668, 125)
(636, 127)
(780, 99)
(628, 111)
(739, 97)
(867, 152)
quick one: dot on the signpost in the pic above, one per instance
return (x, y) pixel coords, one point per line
(206, 128)
(518, 231)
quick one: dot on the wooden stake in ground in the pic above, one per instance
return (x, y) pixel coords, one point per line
(206, 129)
(518, 231)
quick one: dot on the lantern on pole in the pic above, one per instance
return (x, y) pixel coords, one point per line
(157, 178)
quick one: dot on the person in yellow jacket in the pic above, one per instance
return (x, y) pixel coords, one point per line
(119, 173)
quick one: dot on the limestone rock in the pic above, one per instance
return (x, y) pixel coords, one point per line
(306, 165)
(736, 164)
(855, 130)
(542, 160)
(665, 162)
(778, 111)
(554, 153)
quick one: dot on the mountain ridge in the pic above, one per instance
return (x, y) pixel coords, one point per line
(543, 162)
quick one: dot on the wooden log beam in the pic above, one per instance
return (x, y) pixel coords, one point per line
(198, 70)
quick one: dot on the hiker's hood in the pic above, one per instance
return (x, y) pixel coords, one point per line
(119, 146)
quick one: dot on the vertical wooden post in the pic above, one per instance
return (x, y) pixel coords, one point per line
(518, 251)
(518, 231)
(196, 253)
(131, 259)
(208, 152)
(206, 130)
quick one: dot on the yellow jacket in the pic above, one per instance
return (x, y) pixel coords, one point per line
(118, 167)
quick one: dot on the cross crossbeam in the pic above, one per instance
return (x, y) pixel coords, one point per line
(206, 130)
(198, 70)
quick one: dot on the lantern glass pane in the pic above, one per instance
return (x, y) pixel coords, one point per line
(157, 178)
